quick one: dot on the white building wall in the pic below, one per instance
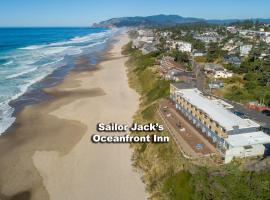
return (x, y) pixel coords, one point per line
(222, 74)
(241, 152)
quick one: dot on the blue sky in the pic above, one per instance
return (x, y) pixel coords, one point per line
(85, 12)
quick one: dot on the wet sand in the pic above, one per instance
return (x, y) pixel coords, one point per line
(48, 153)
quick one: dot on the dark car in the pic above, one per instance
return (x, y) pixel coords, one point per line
(266, 112)
(240, 114)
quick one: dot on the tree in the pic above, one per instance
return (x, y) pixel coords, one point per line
(213, 52)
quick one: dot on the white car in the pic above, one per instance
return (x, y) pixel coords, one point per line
(169, 115)
(182, 129)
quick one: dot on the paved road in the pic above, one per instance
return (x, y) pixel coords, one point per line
(197, 70)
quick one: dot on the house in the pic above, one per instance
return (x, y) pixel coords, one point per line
(186, 77)
(145, 36)
(222, 74)
(267, 39)
(184, 46)
(229, 47)
(208, 37)
(216, 84)
(197, 53)
(148, 48)
(233, 136)
(172, 75)
(137, 44)
(210, 68)
(245, 49)
(180, 45)
(232, 29)
(167, 63)
(231, 59)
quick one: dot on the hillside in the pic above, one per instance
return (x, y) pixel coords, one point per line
(157, 20)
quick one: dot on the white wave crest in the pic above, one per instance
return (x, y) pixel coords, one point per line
(21, 73)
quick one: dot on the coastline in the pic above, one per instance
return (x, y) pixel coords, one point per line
(48, 153)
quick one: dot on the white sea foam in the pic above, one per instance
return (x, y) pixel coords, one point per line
(22, 73)
(6, 118)
(8, 63)
(53, 62)
(75, 40)
(33, 63)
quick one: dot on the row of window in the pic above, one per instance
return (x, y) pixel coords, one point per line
(221, 143)
(201, 114)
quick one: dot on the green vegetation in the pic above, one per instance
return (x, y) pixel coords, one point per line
(256, 81)
(167, 174)
(177, 188)
(214, 52)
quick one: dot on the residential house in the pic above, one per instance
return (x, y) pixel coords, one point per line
(197, 53)
(211, 68)
(245, 49)
(148, 48)
(181, 46)
(216, 84)
(231, 59)
(222, 74)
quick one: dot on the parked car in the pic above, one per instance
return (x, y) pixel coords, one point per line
(199, 146)
(240, 114)
(266, 112)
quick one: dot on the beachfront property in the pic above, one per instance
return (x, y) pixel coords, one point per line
(144, 37)
(233, 136)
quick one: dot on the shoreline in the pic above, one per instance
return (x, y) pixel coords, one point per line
(48, 153)
(36, 94)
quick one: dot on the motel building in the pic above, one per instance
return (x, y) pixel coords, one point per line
(233, 136)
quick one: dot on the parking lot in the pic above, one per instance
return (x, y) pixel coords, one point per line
(187, 136)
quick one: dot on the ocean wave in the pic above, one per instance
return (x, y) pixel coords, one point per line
(31, 64)
(6, 118)
(72, 41)
(21, 73)
(53, 62)
(8, 63)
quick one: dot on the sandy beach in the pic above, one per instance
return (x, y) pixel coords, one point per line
(48, 153)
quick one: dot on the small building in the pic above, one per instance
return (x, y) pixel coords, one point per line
(148, 48)
(197, 53)
(267, 39)
(181, 46)
(172, 75)
(232, 29)
(222, 74)
(211, 68)
(231, 59)
(233, 136)
(167, 63)
(245, 49)
(216, 84)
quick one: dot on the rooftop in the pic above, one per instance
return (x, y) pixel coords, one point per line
(216, 109)
(245, 139)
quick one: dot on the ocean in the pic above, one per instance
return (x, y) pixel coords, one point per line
(29, 55)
